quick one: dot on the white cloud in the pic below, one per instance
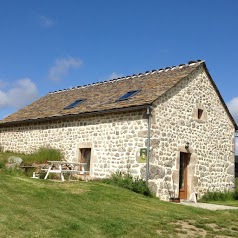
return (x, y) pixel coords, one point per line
(114, 76)
(233, 107)
(46, 22)
(3, 99)
(62, 67)
(22, 92)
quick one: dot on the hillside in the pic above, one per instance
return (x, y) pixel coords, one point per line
(39, 208)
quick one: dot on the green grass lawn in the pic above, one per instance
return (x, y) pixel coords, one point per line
(39, 208)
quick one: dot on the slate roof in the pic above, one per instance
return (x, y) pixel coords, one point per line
(101, 97)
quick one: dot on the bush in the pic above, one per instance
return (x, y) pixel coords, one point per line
(2, 164)
(127, 181)
(219, 196)
(235, 195)
(44, 154)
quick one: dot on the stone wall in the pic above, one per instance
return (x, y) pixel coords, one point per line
(210, 138)
(116, 139)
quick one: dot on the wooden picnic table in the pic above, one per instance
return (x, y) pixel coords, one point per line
(62, 167)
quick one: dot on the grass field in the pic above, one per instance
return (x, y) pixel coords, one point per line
(39, 208)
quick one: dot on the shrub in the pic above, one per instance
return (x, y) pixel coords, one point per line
(122, 180)
(127, 181)
(139, 186)
(218, 196)
(2, 164)
(235, 195)
(43, 154)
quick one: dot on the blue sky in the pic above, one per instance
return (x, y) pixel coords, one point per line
(51, 45)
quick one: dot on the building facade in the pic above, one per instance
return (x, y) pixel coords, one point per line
(178, 113)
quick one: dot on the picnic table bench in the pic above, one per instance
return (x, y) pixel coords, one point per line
(27, 167)
(62, 167)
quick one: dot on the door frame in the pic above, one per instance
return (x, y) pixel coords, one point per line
(83, 152)
(86, 145)
(183, 192)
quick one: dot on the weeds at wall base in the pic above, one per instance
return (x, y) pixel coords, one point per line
(125, 180)
(219, 196)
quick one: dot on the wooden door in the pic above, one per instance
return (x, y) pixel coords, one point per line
(183, 175)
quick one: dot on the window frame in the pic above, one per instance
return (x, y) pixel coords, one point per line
(200, 113)
(75, 103)
(131, 94)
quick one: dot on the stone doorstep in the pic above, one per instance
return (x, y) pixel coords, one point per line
(209, 206)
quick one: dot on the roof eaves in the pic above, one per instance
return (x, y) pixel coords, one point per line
(67, 116)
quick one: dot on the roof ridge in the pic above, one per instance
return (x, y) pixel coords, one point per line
(190, 63)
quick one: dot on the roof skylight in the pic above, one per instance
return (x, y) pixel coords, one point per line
(75, 103)
(128, 95)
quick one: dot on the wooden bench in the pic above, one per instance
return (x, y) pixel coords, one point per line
(27, 167)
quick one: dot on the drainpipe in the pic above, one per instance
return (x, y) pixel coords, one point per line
(148, 113)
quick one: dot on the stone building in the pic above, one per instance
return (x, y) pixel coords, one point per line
(176, 112)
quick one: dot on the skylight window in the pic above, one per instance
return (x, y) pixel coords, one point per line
(128, 95)
(75, 103)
